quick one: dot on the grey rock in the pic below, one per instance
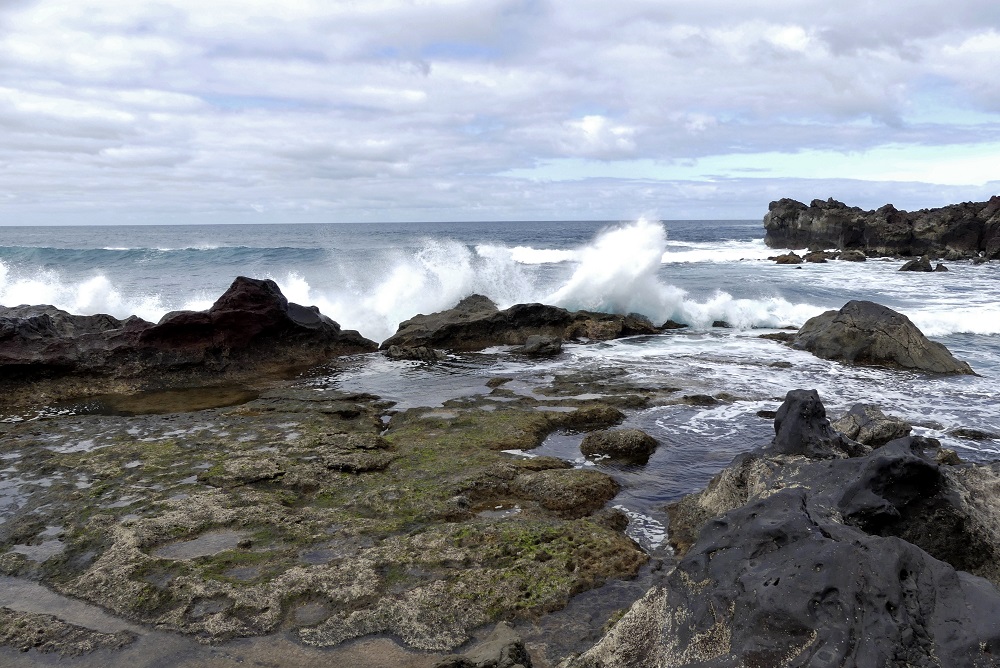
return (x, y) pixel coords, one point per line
(852, 256)
(867, 424)
(867, 333)
(540, 346)
(502, 649)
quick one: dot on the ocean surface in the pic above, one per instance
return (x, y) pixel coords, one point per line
(370, 277)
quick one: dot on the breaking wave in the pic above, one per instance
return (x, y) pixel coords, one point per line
(625, 268)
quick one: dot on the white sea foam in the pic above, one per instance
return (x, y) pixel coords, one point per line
(93, 295)
(729, 251)
(624, 269)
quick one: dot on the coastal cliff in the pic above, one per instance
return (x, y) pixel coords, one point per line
(957, 231)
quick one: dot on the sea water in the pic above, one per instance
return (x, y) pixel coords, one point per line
(371, 277)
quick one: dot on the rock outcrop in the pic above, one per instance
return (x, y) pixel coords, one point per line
(867, 333)
(887, 559)
(951, 232)
(476, 323)
(251, 327)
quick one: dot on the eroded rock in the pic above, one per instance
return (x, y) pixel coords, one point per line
(867, 424)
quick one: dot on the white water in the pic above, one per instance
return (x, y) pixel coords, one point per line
(627, 268)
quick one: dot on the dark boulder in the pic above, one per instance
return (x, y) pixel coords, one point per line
(887, 559)
(670, 324)
(251, 328)
(921, 264)
(416, 354)
(802, 428)
(940, 267)
(867, 333)
(476, 323)
(628, 444)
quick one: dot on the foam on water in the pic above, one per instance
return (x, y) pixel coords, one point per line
(631, 267)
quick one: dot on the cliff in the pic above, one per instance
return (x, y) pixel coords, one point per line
(953, 232)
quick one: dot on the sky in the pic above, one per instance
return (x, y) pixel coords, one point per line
(254, 111)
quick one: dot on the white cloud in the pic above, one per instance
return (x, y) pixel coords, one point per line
(401, 109)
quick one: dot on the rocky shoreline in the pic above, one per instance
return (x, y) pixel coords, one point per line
(970, 230)
(196, 486)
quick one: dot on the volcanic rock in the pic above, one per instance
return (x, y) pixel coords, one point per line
(887, 559)
(252, 327)
(867, 333)
(540, 346)
(502, 649)
(630, 444)
(476, 323)
(921, 264)
(788, 258)
(853, 256)
(867, 424)
(955, 231)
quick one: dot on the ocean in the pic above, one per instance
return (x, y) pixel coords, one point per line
(370, 277)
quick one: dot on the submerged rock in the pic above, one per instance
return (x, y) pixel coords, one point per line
(476, 323)
(887, 559)
(867, 333)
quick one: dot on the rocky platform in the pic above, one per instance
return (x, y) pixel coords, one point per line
(958, 231)
(252, 329)
(817, 551)
(324, 514)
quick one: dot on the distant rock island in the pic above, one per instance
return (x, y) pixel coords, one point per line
(957, 231)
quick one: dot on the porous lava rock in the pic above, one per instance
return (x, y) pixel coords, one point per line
(952, 232)
(252, 327)
(887, 559)
(867, 333)
(476, 323)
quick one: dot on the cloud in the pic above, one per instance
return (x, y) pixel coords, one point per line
(451, 109)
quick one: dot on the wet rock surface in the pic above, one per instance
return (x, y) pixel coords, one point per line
(322, 512)
(476, 323)
(628, 444)
(885, 559)
(46, 634)
(966, 230)
(251, 329)
(867, 424)
(864, 332)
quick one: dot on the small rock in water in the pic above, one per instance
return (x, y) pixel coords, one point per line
(670, 324)
(630, 444)
(923, 264)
